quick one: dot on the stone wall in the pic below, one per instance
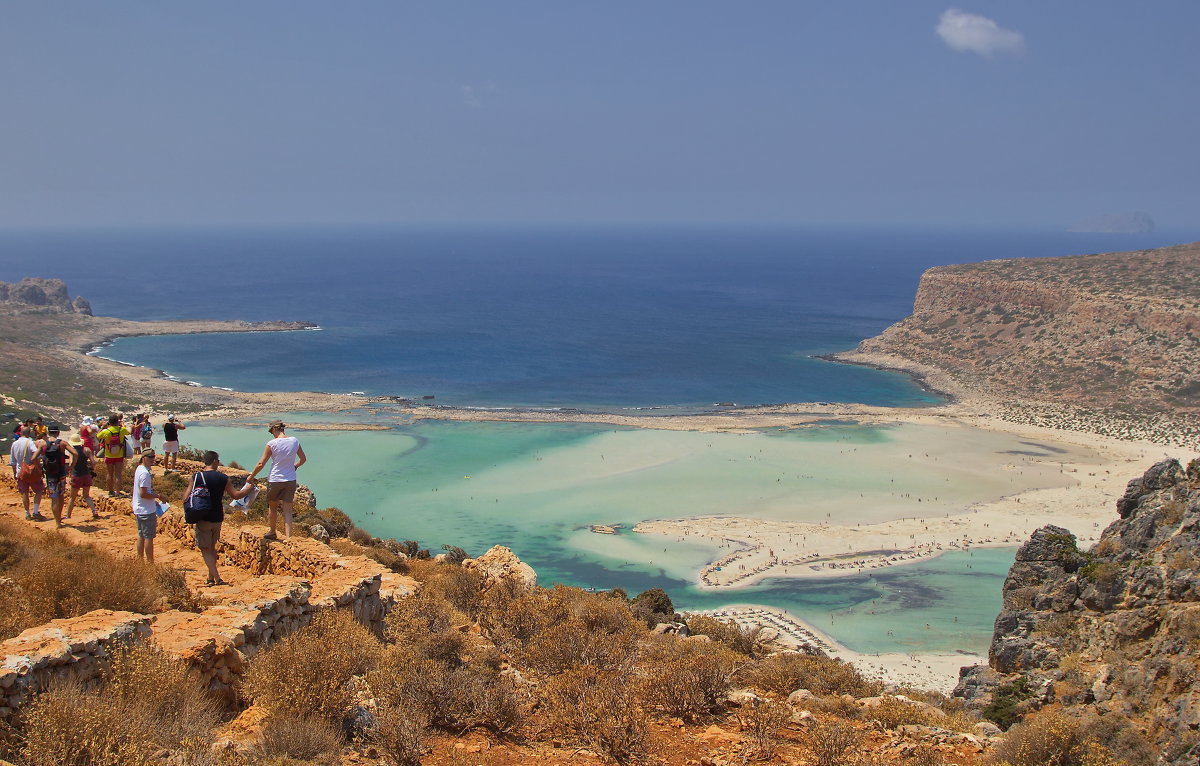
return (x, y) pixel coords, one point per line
(62, 649)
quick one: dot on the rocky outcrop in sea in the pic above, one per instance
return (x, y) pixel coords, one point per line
(41, 295)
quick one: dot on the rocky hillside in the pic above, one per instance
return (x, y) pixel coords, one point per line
(1112, 632)
(42, 295)
(1114, 331)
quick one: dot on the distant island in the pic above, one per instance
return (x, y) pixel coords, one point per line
(1115, 223)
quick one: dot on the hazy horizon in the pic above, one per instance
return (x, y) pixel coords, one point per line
(275, 113)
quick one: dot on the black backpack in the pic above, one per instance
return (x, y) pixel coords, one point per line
(52, 459)
(198, 504)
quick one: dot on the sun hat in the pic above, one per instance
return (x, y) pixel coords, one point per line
(170, 417)
(276, 424)
(88, 420)
(75, 441)
(147, 452)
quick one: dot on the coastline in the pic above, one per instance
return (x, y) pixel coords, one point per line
(1084, 507)
(935, 671)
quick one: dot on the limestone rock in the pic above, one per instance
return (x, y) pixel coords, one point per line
(500, 563)
(319, 533)
(1125, 614)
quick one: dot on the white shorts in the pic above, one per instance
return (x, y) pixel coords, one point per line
(171, 448)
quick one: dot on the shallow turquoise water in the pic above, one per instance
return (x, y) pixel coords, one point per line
(537, 487)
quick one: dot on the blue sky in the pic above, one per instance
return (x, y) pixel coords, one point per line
(893, 111)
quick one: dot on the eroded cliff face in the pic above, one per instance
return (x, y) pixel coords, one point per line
(1115, 630)
(1112, 331)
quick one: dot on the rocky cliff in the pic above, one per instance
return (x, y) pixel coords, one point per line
(32, 294)
(1112, 331)
(1114, 631)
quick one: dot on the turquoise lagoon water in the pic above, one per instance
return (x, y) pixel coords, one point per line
(537, 487)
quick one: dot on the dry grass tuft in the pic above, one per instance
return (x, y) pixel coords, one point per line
(399, 735)
(306, 739)
(785, 672)
(147, 701)
(56, 578)
(834, 743)
(306, 673)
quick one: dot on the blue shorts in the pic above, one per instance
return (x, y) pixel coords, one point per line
(56, 487)
(147, 526)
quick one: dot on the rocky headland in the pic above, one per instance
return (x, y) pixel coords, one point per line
(1109, 342)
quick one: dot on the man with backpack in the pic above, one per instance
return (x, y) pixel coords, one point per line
(56, 459)
(205, 508)
(25, 458)
(112, 444)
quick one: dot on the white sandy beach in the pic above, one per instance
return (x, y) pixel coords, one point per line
(932, 671)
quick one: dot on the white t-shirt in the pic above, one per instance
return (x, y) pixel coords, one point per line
(143, 506)
(20, 451)
(283, 458)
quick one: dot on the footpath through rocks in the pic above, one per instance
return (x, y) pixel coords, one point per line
(274, 587)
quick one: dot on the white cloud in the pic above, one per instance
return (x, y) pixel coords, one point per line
(977, 34)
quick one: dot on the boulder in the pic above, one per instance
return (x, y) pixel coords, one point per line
(318, 532)
(501, 564)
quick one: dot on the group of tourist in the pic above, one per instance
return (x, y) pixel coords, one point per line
(42, 461)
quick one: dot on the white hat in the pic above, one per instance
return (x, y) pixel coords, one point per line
(89, 421)
(170, 417)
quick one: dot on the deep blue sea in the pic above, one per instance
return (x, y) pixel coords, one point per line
(545, 317)
(593, 318)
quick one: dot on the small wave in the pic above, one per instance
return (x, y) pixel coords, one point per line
(221, 388)
(127, 364)
(314, 328)
(194, 383)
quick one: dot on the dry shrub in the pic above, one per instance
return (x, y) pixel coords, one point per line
(892, 713)
(360, 536)
(685, 678)
(306, 672)
(832, 743)
(760, 723)
(399, 735)
(739, 639)
(1052, 738)
(16, 614)
(424, 623)
(571, 643)
(598, 708)
(454, 698)
(307, 739)
(925, 755)
(146, 701)
(335, 521)
(785, 672)
(457, 586)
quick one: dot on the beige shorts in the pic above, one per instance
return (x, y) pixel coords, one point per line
(284, 491)
(207, 534)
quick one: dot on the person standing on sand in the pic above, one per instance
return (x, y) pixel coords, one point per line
(286, 455)
(81, 476)
(112, 443)
(25, 458)
(145, 506)
(56, 460)
(209, 531)
(171, 431)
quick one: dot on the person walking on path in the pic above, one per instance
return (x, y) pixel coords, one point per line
(82, 469)
(145, 506)
(286, 455)
(25, 458)
(56, 460)
(171, 431)
(208, 530)
(112, 443)
(146, 432)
